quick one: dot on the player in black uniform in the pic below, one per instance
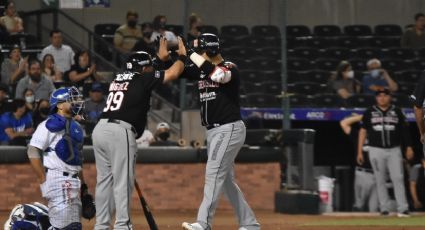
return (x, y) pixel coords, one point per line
(218, 84)
(122, 121)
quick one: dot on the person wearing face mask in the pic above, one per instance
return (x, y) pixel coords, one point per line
(13, 68)
(17, 125)
(29, 99)
(161, 136)
(343, 81)
(41, 112)
(83, 71)
(415, 37)
(159, 23)
(127, 35)
(377, 79)
(145, 43)
(39, 84)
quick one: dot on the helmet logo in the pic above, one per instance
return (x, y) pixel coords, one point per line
(142, 63)
(129, 65)
(212, 44)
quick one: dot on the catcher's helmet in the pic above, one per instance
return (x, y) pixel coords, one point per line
(209, 43)
(138, 60)
(67, 94)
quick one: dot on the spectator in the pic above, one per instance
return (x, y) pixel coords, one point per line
(145, 43)
(49, 70)
(11, 20)
(417, 185)
(161, 136)
(343, 81)
(29, 99)
(159, 23)
(13, 68)
(4, 104)
(94, 106)
(84, 70)
(62, 54)
(127, 35)
(41, 112)
(40, 85)
(365, 193)
(386, 128)
(377, 78)
(146, 139)
(17, 125)
(194, 23)
(415, 37)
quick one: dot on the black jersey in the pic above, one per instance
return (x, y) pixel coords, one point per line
(386, 129)
(418, 96)
(129, 97)
(219, 102)
(354, 137)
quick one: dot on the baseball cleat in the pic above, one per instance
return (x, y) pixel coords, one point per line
(403, 214)
(194, 226)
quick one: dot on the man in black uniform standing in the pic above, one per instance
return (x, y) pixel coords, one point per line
(218, 84)
(122, 121)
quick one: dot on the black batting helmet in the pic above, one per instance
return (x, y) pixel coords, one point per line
(137, 60)
(209, 43)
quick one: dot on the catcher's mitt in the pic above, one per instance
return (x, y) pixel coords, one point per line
(88, 207)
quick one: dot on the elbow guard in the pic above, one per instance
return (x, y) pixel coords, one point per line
(221, 75)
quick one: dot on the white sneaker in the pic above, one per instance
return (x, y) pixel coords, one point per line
(194, 226)
(403, 214)
(243, 228)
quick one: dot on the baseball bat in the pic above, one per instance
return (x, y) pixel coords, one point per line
(146, 209)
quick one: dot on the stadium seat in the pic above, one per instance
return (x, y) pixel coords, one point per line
(358, 64)
(368, 53)
(106, 28)
(250, 87)
(229, 42)
(272, 87)
(419, 64)
(421, 53)
(339, 53)
(27, 39)
(304, 52)
(327, 31)
(401, 100)
(270, 52)
(292, 43)
(327, 100)
(351, 42)
(384, 42)
(269, 75)
(299, 64)
(297, 76)
(318, 76)
(406, 87)
(319, 42)
(176, 29)
(265, 31)
(305, 88)
(252, 41)
(262, 100)
(394, 64)
(388, 30)
(266, 64)
(208, 29)
(234, 31)
(300, 101)
(240, 52)
(297, 31)
(106, 31)
(243, 63)
(327, 64)
(400, 53)
(360, 101)
(249, 75)
(272, 41)
(407, 76)
(358, 30)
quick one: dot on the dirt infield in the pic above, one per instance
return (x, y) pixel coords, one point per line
(225, 220)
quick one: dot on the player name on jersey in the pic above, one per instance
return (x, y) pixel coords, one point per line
(115, 86)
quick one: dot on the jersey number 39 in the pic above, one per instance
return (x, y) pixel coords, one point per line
(114, 101)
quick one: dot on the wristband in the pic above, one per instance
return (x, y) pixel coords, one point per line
(182, 58)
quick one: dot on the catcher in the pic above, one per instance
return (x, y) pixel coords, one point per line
(60, 139)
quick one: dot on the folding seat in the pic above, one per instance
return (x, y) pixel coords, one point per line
(265, 31)
(298, 31)
(384, 42)
(401, 100)
(351, 42)
(388, 30)
(269, 75)
(300, 101)
(406, 87)
(358, 30)
(358, 64)
(234, 30)
(394, 64)
(327, 31)
(419, 64)
(299, 64)
(360, 101)
(240, 52)
(249, 75)
(243, 63)
(318, 76)
(407, 76)
(304, 52)
(106, 29)
(305, 88)
(270, 52)
(327, 100)
(327, 64)
(401, 53)
(297, 76)
(250, 87)
(319, 42)
(252, 41)
(272, 87)
(368, 53)
(208, 29)
(337, 53)
(229, 42)
(292, 43)
(262, 100)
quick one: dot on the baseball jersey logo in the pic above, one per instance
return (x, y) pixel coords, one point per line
(157, 74)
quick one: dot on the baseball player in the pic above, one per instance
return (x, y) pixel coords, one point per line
(122, 121)
(418, 98)
(218, 84)
(386, 129)
(28, 216)
(60, 139)
(365, 193)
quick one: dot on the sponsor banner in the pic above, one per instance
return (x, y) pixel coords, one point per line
(309, 114)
